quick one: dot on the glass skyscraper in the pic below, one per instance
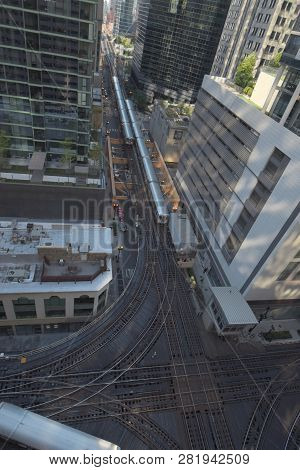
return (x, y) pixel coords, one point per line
(47, 61)
(176, 44)
(124, 11)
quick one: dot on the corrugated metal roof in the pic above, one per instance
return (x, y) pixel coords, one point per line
(234, 306)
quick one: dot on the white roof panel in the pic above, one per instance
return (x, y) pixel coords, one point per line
(234, 306)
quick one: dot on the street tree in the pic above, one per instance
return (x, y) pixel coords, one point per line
(96, 153)
(244, 74)
(275, 61)
(68, 154)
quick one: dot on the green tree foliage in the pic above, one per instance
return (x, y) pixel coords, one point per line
(275, 62)
(248, 90)
(244, 74)
(141, 100)
(68, 154)
(126, 42)
(186, 109)
(95, 153)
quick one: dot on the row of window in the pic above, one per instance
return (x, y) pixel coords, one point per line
(260, 32)
(291, 272)
(268, 3)
(273, 170)
(54, 307)
(73, 9)
(45, 60)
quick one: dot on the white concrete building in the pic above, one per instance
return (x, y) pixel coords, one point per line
(239, 177)
(260, 26)
(52, 275)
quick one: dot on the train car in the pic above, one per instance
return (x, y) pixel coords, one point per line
(159, 202)
(124, 118)
(37, 432)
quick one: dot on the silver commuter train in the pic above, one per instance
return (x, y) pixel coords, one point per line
(125, 121)
(37, 432)
(160, 203)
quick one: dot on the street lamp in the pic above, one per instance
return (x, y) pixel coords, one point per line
(120, 248)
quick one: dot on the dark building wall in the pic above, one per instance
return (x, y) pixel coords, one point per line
(47, 60)
(176, 44)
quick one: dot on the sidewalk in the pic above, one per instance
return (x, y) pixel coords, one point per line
(280, 332)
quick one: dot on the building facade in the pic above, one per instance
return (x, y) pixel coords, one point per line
(47, 57)
(259, 26)
(175, 46)
(168, 128)
(239, 177)
(53, 277)
(124, 17)
(286, 107)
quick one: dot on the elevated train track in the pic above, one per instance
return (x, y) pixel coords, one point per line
(81, 384)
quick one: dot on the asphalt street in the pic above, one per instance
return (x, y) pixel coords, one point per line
(52, 203)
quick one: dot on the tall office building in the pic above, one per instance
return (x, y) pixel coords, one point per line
(100, 16)
(286, 107)
(259, 26)
(238, 175)
(124, 17)
(175, 46)
(47, 56)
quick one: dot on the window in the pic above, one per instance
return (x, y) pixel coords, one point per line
(286, 6)
(267, 18)
(259, 17)
(255, 198)
(276, 165)
(259, 195)
(291, 24)
(178, 135)
(55, 307)
(250, 44)
(244, 220)
(24, 308)
(264, 4)
(2, 311)
(101, 301)
(272, 3)
(83, 305)
(254, 31)
(288, 271)
(232, 244)
(269, 49)
(297, 276)
(261, 33)
(280, 21)
(256, 46)
(271, 169)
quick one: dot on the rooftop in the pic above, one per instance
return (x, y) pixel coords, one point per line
(236, 90)
(179, 114)
(234, 306)
(34, 252)
(182, 232)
